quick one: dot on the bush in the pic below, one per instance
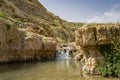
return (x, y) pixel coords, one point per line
(111, 54)
(60, 40)
(2, 14)
(8, 26)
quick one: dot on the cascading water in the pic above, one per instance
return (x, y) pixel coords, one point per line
(63, 53)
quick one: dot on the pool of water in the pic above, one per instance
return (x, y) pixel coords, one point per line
(51, 70)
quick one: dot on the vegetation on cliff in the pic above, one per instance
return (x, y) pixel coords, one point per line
(28, 31)
(100, 46)
(111, 54)
(33, 14)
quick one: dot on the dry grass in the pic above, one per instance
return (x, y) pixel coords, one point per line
(102, 25)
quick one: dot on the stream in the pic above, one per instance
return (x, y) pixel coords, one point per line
(50, 70)
(63, 68)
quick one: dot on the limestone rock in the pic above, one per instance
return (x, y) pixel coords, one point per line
(37, 46)
(88, 38)
(21, 45)
(93, 34)
(49, 44)
(10, 40)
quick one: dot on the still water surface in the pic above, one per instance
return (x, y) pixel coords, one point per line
(52, 70)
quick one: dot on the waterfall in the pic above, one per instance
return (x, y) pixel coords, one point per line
(63, 53)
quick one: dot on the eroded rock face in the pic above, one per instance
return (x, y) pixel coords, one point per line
(88, 38)
(10, 41)
(20, 44)
(93, 34)
(35, 47)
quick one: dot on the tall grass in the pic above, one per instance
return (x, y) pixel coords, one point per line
(2, 14)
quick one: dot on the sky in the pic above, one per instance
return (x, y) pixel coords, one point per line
(99, 11)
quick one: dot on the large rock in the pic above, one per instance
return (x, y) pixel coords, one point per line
(40, 45)
(21, 45)
(10, 40)
(49, 44)
(37, 47)
(88, 38)
(93, 34)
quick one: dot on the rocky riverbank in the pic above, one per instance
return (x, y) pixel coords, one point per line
(89, 38)
(19, 44)
(29, 31)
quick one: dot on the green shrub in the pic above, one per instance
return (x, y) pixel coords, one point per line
(60, 40)
(111, 54)
(2, 14)
(8, 26)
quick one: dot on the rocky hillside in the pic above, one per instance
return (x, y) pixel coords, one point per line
(28, 31)
(32, 15)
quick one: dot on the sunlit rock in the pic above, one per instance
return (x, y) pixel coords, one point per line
(10, 40)
(22, 45)
(88, 38)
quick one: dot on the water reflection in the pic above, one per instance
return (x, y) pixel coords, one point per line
(63, 64)
(53, 70)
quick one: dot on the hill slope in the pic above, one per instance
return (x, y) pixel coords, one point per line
(31, 14)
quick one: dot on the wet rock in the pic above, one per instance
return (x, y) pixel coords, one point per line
(64, 51)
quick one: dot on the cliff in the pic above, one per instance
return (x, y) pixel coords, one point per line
(89, 38)
(29, 32)
(18, 44)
